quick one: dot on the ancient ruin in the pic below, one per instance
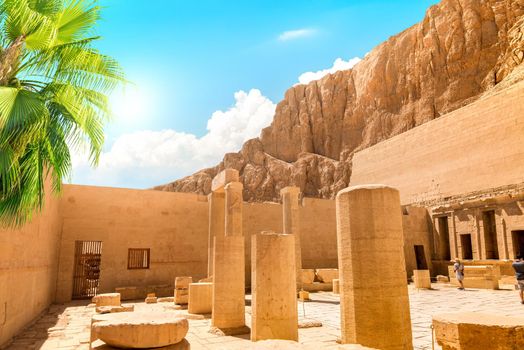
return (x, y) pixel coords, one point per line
(337, 228)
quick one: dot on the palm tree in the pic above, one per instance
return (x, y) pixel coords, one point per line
(53, 97)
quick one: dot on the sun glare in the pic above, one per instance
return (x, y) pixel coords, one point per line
(130, 104)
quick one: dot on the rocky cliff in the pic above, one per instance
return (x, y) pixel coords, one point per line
(462, 50)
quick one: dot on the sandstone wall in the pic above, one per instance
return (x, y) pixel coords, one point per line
(475, 148)
(28, 269)
(175, 227)
(461, 50)
(417, 227)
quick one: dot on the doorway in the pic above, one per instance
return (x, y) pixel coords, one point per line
(86, 275)
(490, 234)
(420, 256)
(467, 247)
(444, 251)
(518, 242)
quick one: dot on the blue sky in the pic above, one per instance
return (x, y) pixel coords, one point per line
(189, 58)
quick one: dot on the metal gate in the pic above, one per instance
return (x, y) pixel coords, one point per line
(87, 269)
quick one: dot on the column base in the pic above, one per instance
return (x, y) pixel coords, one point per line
(230, 331)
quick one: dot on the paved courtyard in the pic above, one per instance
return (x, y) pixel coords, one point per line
(66, 326)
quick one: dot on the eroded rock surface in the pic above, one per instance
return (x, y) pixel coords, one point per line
(460, 51)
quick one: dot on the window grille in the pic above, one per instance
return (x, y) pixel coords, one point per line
(138, 258)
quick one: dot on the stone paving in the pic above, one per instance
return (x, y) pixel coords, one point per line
(66, 326)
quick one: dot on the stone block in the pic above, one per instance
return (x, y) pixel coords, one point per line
(181, 296)
(223, 178)
(200, 298)
(113, 309)
(422, 279)
(508, 282)
(317, 287)
(140, 330)
(151, 300)
(336, 286)
(442, 279)
(474, 331)
(326, 275)
(307, 275)
(183, 282)
(303, 295)
(107, 299)
(166, 300)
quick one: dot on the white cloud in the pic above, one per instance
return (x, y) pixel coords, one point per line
(296, 34)
(339, 64)
(147, 158)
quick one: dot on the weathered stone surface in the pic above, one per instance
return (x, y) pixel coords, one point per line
(183, 282)
(182, 345)
(442, 279)
(113, 309)
(326, 275)
(307, 275)
(473, 331)
(374, 308)
(303, 295)
(151, 300)
(336, 286)
(273, 286)
(422, 279)
(141, 330)
(317, 287)
(166, 300)
(460, 51)
(200, 298)
(107, 299)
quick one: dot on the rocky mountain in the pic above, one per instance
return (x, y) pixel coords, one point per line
(462, 50)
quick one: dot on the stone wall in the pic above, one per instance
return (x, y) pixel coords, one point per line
(174, 226)
(475, 148)
(28, 269)
(416, 224)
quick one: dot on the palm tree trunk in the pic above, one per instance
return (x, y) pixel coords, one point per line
(9, 60)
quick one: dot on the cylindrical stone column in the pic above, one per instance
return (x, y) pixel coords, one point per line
(274, 305)
(217, 207)
(290, 208)
(229, 270)
(373, 290)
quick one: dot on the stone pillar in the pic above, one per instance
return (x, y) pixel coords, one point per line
(290, 207)
(233, 214)
(274, 306)
(422, 279)
(228, 316)
(373, 290)
(216, 224)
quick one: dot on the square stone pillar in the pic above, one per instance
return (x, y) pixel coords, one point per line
(274, 305)
(228, 316)
(290, 207)
(216, 202)
(373, 290)
(422, 279)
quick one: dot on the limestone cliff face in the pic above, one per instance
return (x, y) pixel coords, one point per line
(460, 51)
